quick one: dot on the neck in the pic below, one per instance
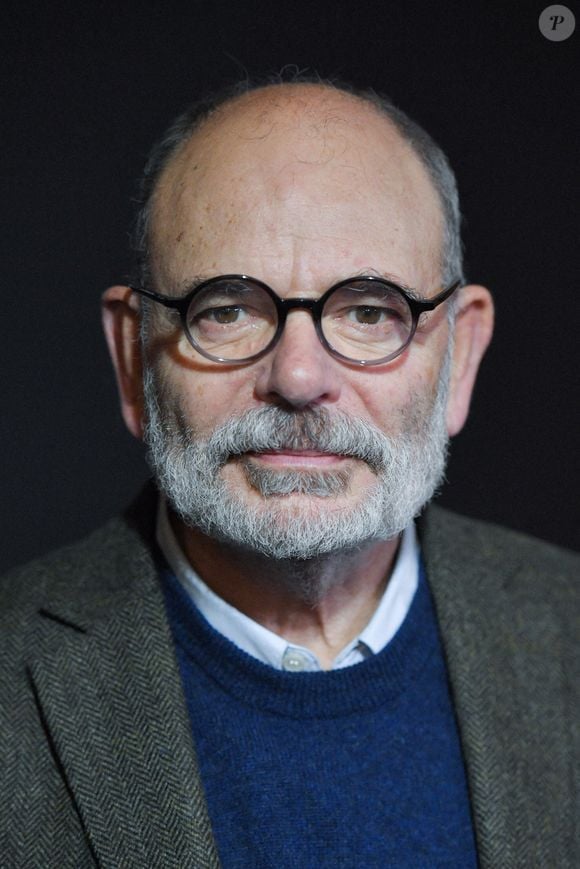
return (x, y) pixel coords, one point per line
(320, 603)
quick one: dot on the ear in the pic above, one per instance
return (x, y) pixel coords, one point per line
(473, 331)
(120, 313)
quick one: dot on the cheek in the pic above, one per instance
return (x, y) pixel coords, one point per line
(207, 399)
(392, 398)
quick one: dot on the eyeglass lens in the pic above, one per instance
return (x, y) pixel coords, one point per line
(236, 319)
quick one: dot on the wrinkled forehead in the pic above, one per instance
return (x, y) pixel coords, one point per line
(273, 161)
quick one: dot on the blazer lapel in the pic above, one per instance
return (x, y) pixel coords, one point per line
(502, 649)
(111, 701)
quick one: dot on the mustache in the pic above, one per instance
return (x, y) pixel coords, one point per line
(274, 428)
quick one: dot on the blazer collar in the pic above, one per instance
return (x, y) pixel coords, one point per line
(109, 693)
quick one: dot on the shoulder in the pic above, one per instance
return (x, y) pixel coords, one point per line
(500, 559)
(486, 539)
(81, 578)
(65, 572)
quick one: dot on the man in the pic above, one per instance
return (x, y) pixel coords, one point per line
(266, 662)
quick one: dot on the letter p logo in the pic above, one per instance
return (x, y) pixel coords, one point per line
(557, 23)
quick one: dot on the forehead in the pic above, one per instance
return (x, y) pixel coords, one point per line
(281, 175)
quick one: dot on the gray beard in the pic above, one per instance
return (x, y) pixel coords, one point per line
(408, 467)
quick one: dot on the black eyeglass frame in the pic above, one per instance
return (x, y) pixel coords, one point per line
(314, 306)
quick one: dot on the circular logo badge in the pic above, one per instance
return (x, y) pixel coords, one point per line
(557, 23)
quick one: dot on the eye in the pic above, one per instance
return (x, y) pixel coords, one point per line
(373, 315)
(368, 314)
(223, 315)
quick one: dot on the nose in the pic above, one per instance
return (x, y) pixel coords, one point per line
(299, 371)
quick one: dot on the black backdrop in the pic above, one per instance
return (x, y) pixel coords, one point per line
(87, 87)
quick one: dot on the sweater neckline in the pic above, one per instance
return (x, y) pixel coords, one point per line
(265, 644)
(376, 681)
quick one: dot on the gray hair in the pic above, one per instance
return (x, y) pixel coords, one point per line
(180, 131)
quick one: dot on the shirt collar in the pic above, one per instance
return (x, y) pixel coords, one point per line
(272, 649)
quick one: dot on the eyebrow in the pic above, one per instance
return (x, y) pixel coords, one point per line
(392, 279)
(185, 287)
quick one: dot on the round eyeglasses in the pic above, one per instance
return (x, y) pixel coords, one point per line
(362, 320)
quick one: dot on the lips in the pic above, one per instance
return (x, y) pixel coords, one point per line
(291, 453)
(297, 457)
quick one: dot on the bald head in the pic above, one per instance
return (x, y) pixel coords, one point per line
(294, 165)
(295, 131)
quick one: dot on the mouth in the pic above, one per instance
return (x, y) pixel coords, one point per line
(297, 458)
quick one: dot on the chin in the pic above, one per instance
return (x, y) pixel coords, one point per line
(298, 486)
(299, 507)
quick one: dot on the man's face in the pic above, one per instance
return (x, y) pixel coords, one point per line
(299, 192)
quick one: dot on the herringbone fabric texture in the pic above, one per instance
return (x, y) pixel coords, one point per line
(507, 607)
(97, 766)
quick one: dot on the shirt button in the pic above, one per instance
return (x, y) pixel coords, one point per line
(294, 661)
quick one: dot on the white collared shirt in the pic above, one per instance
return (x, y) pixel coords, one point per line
(272, 649)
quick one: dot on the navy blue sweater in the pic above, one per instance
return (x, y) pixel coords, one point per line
(358, 767)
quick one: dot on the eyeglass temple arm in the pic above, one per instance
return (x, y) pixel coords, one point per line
(431, 304)
(177, 304)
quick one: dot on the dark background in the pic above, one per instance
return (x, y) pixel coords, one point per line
(86, 88)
